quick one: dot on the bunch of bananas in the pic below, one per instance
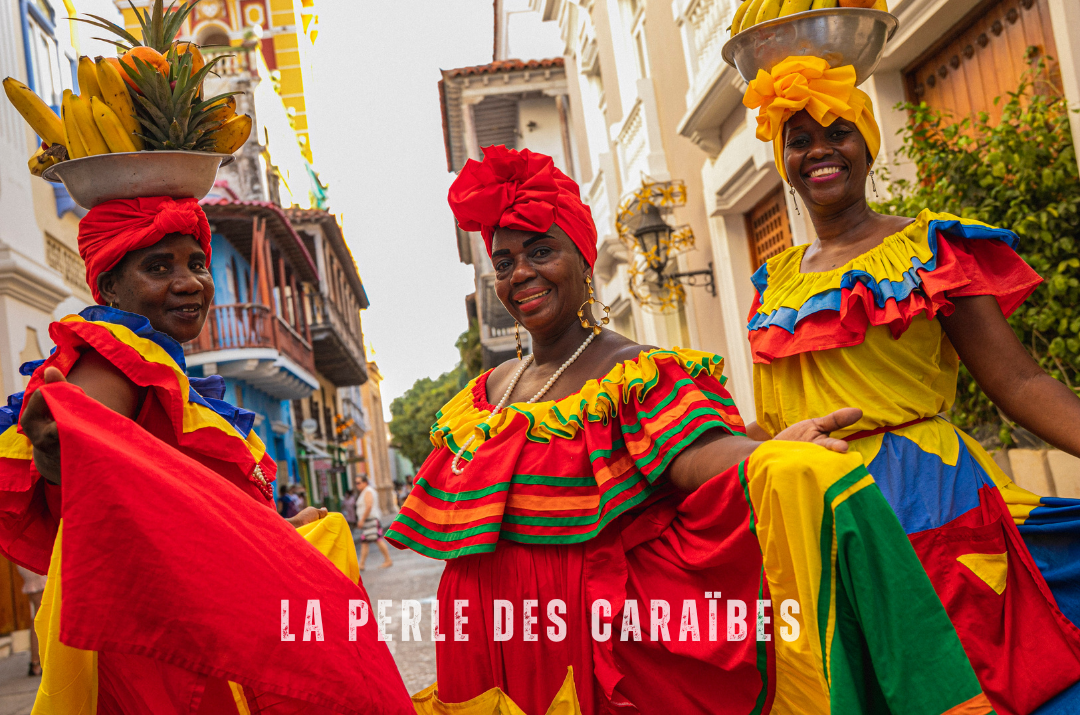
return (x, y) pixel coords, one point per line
(752, 12)
(103, 118)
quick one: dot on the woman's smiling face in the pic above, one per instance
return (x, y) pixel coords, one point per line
(539, 277)
(168, 283)
(826, 165)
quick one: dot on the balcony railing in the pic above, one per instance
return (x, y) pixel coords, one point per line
(249, 325)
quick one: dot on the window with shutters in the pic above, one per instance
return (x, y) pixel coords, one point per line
(768, 228)
(983, 58)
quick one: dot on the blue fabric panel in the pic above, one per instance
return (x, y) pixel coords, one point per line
(1064, 703)
(925, 492)
(1052, 535)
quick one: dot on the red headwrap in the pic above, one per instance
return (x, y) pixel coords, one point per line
(522, 190)
(114, 228)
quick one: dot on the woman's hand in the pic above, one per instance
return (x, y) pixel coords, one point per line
(817, 429)
(40, 428)
(306, 516)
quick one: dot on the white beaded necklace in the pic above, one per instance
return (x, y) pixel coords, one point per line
(510, 388)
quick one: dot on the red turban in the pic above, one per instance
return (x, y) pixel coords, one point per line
(115, 228)
(522, 190)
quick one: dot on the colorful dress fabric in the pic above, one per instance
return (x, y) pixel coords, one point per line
(171, 566)
(566, 502)
(1005, 562)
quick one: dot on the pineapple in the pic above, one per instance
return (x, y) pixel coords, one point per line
(169, 104)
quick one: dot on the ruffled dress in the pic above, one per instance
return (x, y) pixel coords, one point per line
(1005, 562)
(166, 594)
(578, 580)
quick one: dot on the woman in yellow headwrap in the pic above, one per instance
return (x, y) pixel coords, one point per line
(876, 313)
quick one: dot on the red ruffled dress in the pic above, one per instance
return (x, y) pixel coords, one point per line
(651, 597)
(175, 564)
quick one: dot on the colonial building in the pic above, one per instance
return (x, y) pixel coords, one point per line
(650, 94)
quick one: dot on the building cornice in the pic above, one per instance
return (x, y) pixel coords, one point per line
(29, 282)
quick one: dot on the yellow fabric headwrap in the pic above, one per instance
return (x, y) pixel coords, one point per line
(809, 83)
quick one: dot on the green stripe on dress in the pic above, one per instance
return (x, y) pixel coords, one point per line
(585, 536)
(437, 553)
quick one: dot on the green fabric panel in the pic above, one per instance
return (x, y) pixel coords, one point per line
(913, 651)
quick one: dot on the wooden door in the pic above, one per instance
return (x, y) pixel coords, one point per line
(983, 57)
(768, 228)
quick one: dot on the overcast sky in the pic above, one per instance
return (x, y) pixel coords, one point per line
(377, 140)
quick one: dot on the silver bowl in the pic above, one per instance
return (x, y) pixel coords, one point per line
(92, 180)
(840, 36)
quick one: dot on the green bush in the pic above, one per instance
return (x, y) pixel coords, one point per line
(1019, 173)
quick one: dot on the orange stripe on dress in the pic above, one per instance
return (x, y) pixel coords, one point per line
(553, 503)
(439, 515)
(670, 414)
(978, 705)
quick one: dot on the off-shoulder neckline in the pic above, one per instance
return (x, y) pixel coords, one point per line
(920, 220)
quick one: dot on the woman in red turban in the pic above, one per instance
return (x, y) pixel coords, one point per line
(615, 543)
(164, 597)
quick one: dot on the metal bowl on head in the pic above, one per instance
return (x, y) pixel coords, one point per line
(92, 180)
(840, 36)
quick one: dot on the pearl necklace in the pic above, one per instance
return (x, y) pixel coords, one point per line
(510, 388)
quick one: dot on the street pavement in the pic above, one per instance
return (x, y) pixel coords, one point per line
(412, 577)
(17, 690)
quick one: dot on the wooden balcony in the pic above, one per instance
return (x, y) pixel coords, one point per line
(238, 338)
(339, 356)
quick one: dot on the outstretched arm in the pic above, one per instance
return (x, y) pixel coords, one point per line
(716, 451)
(1009, 376)
(100, 380)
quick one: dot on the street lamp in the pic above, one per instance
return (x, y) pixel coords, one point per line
(653, 236)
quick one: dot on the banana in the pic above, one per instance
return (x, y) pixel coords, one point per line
(768, 11)
(232, 134)
(223, 111)
(736, 23)
(114, 92)
(41, 118)
(823, 4)
(73, 142)
(88, 131)
(857, 3)
(881, 5)
(107, 123)
(790, 7)
(88, 78)
(750, 18)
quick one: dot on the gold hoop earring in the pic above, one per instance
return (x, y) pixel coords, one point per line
(794, 200)
(595, 327)
(517, 337)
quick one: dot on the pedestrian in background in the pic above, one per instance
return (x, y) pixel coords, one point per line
(33, 586)
(371, 530)
(348, 509)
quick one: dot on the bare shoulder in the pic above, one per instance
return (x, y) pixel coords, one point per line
(105, 382)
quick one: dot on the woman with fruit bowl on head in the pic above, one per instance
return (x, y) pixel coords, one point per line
(877, 313)
(155, 497)
(602, 475)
